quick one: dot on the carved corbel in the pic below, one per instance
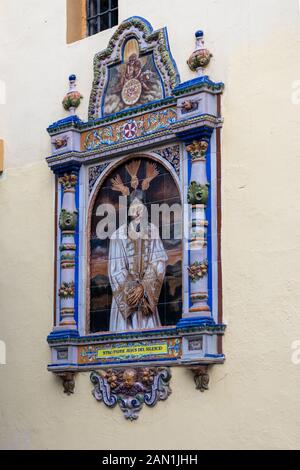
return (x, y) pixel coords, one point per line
(131, 388)
(68, 381)
(201, 377)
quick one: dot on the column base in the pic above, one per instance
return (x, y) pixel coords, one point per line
(62, 332)
(192, 321)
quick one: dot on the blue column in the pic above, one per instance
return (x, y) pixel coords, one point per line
(197, 150)
(68, 258)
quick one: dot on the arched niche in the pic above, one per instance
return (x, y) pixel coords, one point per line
(107, 211)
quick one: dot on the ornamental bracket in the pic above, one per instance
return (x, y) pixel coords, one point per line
(131, 388)
(201, 377)
(68, 381)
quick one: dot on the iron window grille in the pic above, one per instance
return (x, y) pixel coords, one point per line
(101, 15)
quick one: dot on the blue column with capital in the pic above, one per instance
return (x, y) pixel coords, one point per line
(65, 140)
(197, 147)
(67, 258)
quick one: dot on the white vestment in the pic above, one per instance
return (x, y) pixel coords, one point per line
(134, 261)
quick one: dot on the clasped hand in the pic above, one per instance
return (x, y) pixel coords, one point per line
(135, 295)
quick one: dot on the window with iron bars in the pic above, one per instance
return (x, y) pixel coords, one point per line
(101, 15)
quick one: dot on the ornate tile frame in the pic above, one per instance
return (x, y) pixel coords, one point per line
(189, 120)
(149, 41)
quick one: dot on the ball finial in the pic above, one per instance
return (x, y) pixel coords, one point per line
(200, 58)
(73, 98)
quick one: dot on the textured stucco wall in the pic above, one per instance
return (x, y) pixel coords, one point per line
(254, 399)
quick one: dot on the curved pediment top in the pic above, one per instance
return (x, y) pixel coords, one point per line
(135, 69)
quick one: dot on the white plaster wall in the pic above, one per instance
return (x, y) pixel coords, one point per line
(254, 400)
